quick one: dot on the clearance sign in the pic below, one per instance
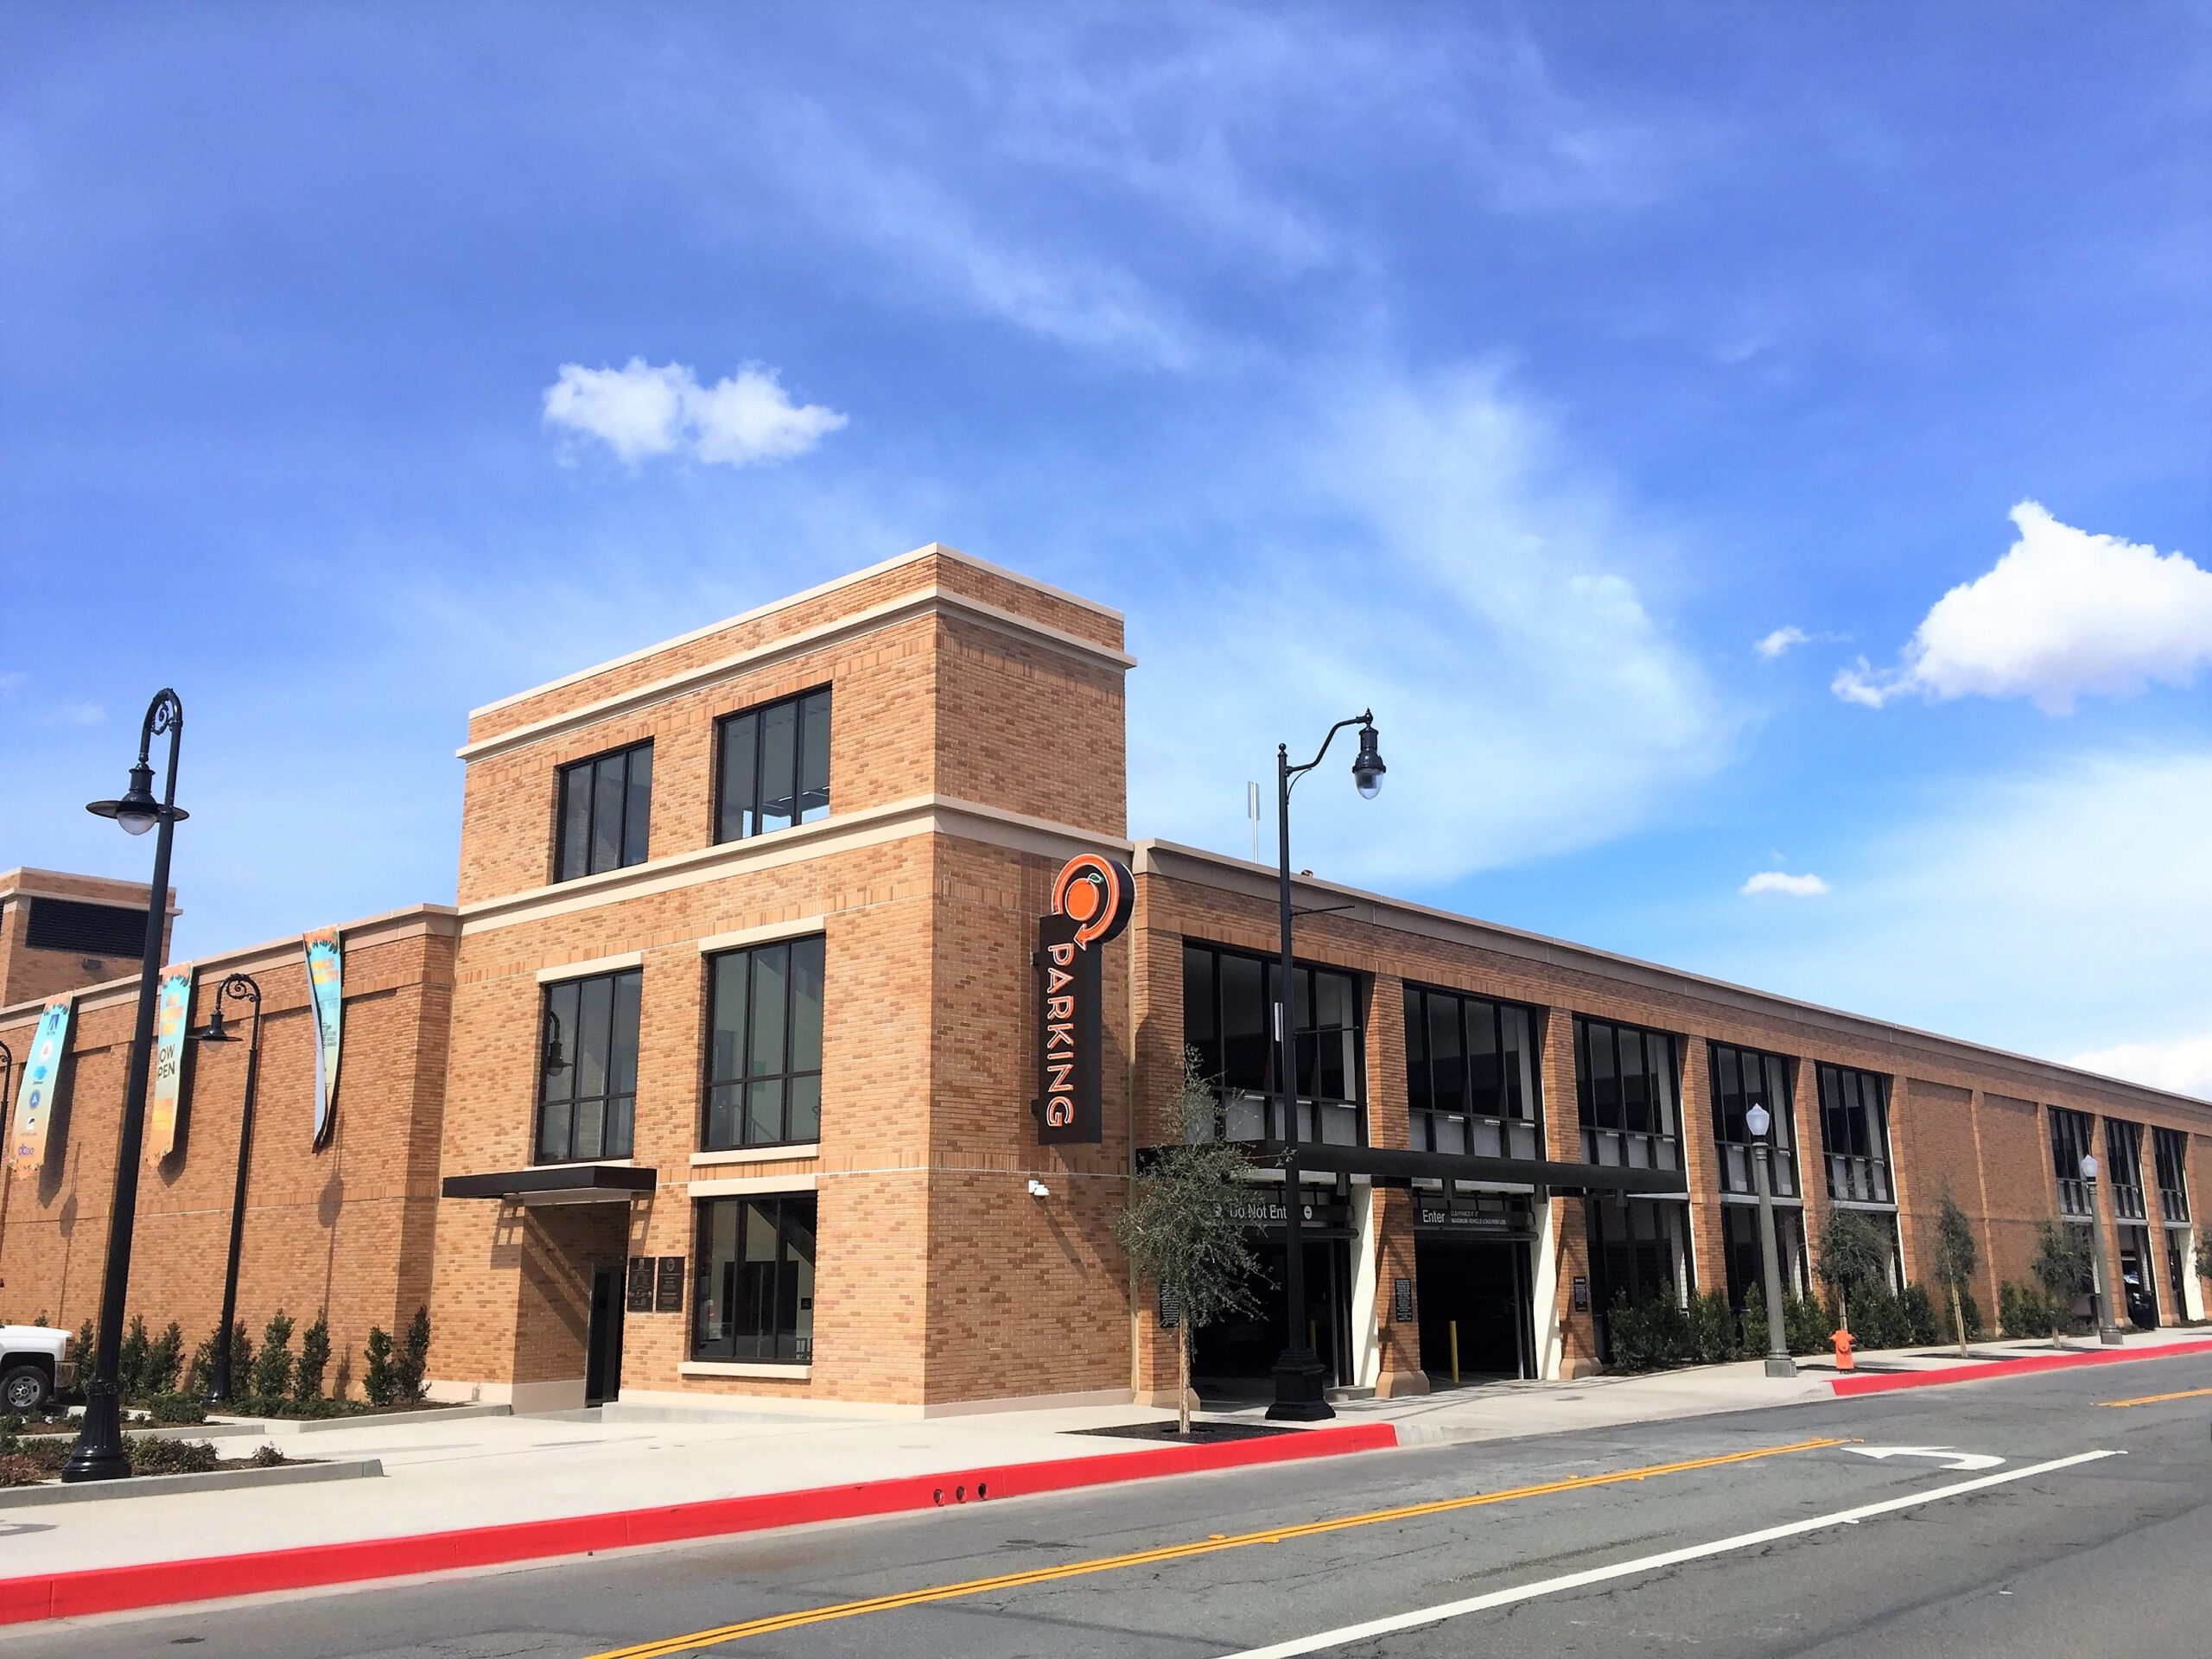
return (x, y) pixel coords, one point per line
(1091, 899)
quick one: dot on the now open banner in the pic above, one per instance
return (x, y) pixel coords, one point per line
(172, 1013)
(326, 997)
(42, 1084)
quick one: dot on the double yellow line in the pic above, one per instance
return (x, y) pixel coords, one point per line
(775, 1622)
(2158, 1399)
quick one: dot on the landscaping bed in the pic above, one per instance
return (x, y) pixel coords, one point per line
(35, 1460)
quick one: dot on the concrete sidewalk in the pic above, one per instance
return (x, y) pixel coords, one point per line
(493, 1471)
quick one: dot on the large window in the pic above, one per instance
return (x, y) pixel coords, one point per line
(772, 766)
(1471, 1075)
(1639, 1251)
(1624, 1081)
(1855, 1131)
(2123, 1168)
(2170, 1150)
(588, 1069)
(605, 806)
(764, 1046)
(2072, 1135)
(1228, 999)
(1745, 1256)
(1741, 1076)
(753, 1291)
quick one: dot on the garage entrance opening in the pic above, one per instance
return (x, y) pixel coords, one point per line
(1482, 1286)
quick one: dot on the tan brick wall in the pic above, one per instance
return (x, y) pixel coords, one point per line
(29, 973)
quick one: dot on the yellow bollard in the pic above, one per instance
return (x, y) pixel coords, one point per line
(1454, 1327)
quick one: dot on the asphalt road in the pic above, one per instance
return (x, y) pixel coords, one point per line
(1717, 1535)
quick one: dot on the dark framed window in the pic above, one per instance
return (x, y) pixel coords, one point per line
(1228, 1002)
(1855, 1133)
(606, 809)
(772, 766)
(2123, 1168)
(1639, 1252)
(1741, 1076)
(1471, 1075)
(1625, 1080)
(764, 1046)
(753, 1288)
(85, 930)
(588, 1069)
(2072, 1135)
(1745, 1257)
(2170, 1152)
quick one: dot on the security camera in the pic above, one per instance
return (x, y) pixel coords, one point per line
(1037, 1189)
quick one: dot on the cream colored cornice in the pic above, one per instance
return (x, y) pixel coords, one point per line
(1179, 863)
(923, 601)
(840, 832)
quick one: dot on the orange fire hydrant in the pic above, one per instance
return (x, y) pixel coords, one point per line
(1842, 1341)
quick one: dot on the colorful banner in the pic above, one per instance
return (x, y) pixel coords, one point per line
(172, 1014)
(42, 1084)
(326, 993)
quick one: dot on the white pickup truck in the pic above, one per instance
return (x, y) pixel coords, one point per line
(34, 1361)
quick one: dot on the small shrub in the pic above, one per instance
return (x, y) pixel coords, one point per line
(314, 1358)
(1947, 1327)
(16, 1470)
(130, 1362)
(176, 1409)
(1714, 1337)
(1879, 1320)
(272, 1371)
(1919, 1315)
(378, 1380)
(170, 1457)
(1807, 1324)
(202, 1371)
(84, 1347)
(267, 1457)
(2023, 1309)
(241, 1361)
(164, 1359)
(414, 1358)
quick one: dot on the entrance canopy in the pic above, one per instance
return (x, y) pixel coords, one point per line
(558, 1184)
(1400, 1164)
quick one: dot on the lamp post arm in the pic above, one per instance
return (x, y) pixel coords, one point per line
(1291, 774)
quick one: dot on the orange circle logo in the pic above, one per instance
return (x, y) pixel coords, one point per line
(1097, 894)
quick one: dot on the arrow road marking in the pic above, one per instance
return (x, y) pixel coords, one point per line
(1942, 1454)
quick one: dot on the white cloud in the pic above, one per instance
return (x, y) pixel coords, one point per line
(640, 411)
(1794, 886)
(2063, 613)
(1433, 557)
(1779, 641)
(2182, 1064)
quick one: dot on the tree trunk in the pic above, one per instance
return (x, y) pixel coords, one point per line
(1183, 1378)
(1958, 1315)
(1843, 1305)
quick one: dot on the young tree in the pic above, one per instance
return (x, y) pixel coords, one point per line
(1181, 1226)
(1957, 1255)
(1852, 1254)
(2061, 1262)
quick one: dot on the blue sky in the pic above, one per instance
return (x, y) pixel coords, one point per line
(1514, 370)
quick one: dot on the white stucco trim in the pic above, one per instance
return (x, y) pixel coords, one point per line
(742, 1367)
(792, 1154)
(589, 966)
(736, 1186)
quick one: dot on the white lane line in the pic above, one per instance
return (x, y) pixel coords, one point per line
(1437, 1615)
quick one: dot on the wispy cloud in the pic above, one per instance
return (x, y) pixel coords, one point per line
(1791, 886)
(2182, 1064)
(2063, 613)
(638, 411)
(1774, 644)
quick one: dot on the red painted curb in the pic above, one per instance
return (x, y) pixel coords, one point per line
(111, 1589)
(1883, 1385)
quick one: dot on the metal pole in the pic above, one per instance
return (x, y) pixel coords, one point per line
(2108, 1332)
(1300, 1389)
(99, 1453)
(1778, 1362)
(7, 1115)
(219, 1374)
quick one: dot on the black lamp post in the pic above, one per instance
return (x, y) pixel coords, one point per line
(1301, 1386)
(98, 1453)
(1759, 1121)
(2107, 1331)
(241, 988)
(6, 1116)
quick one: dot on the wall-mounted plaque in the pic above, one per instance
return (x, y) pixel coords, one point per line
(1171, 1310)
(1582, 1294)
(1402, 1301)
(640, 1299)
(668, 1285)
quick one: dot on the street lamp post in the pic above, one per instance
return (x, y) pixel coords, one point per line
(6, 1116)
(241, 987)
(1300, 1388)
(99, 1453)
(2108, 1332)
(1759, 1121)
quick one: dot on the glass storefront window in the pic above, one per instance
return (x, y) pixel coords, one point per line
(1741, 1076)
(606, 812)
(1471, 1075)
(772, 766)
(2170, 1152)
(1855, 1133)
(2123, 1168)
(1625, 1095)
(1228, 1003)
(588, 1068)
(764, 1046)
(752, 1291)
(2072, 1135)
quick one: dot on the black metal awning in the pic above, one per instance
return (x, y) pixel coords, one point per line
(559, 1184)
(1404, 1165)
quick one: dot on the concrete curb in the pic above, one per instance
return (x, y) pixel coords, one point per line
(215, 1480)
(152, 1583)
(280, 1426)
(1889, 1381)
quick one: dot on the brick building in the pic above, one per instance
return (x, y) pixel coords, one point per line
(717, 1082)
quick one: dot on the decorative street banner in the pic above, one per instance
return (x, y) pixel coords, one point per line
(172, 1013)
(41, 1082)
(1092, 899)
(326, 993)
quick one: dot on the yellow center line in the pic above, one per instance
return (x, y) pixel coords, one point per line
(676, 1644)
(2156, 1399)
